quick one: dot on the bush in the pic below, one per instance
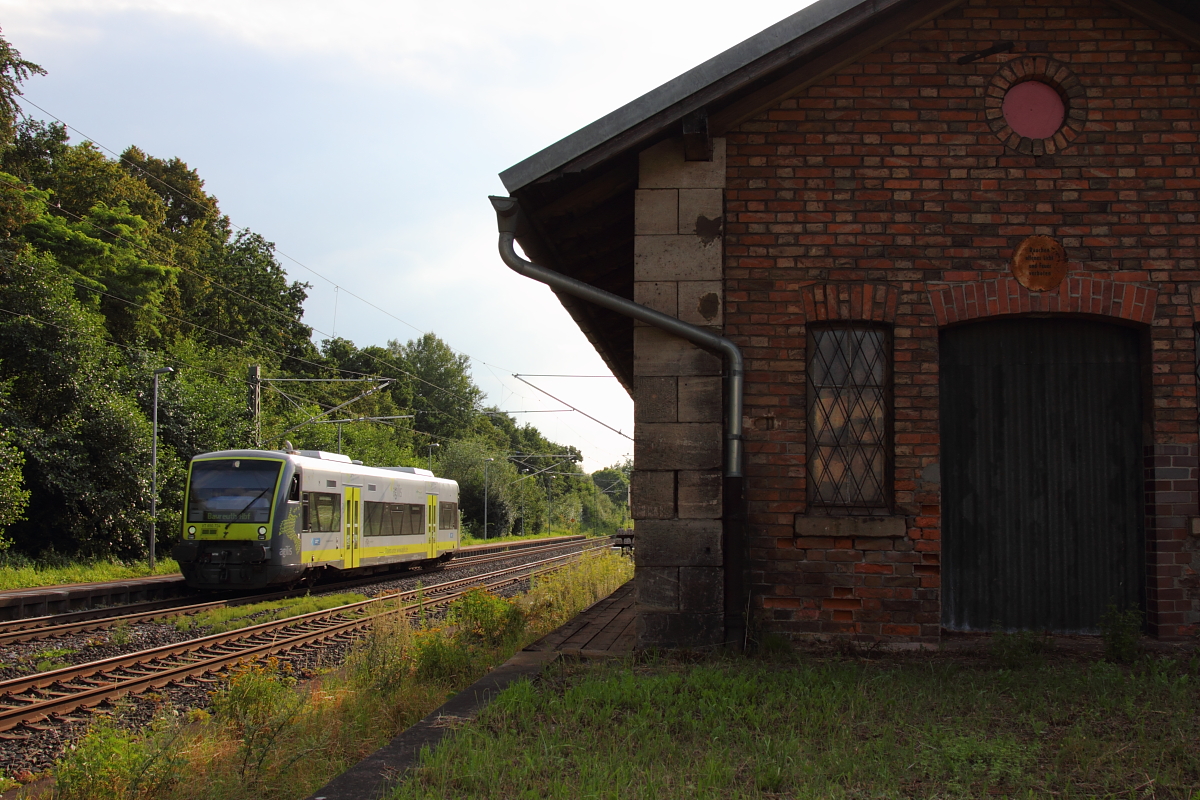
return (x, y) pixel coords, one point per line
(112, 764)
(485, 619)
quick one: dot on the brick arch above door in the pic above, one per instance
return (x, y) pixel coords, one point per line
(959, 302)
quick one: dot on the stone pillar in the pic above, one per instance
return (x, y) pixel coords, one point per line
(678, 403)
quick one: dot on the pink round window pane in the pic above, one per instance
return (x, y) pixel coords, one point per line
(1034, 110)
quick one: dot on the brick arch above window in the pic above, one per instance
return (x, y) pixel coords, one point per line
(958, 302)
(871, 302)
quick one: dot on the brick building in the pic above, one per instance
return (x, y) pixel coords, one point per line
(955, 241)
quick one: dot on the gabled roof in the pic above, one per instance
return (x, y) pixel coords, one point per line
(578, 193)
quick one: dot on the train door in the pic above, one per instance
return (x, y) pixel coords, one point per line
(431, 523)
(353, 525)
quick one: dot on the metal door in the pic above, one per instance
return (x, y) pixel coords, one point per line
(353, 525)
(1042, 505)
(431, 523)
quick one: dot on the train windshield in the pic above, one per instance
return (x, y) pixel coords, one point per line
(232, 490)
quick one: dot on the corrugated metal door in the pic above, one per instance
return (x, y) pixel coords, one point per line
(1041, 474)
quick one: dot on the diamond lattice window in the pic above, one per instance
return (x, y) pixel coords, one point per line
(848, 375)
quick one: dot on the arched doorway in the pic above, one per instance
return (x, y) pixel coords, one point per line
(1042, 473)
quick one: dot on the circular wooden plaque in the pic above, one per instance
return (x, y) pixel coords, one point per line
(1040, 263)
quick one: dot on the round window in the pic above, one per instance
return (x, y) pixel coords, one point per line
(1034, 110)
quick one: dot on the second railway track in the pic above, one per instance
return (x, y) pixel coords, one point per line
(48, 627)
(30, 699)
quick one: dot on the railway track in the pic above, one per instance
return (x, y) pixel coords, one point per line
(31, 699)
(48, 627)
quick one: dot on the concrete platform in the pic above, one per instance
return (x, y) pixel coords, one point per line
(40, 601)
(603, 630)
(606, 629)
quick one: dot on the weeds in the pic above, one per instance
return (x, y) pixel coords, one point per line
(1122, 632)
(271, 738)
(219, 620)
(112, 764)
(1018, 649)
(120, 635)
(47, 660)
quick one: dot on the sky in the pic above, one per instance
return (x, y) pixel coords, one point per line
(363, 137)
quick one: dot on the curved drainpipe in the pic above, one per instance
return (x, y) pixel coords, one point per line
(737, 609)
(507, 218)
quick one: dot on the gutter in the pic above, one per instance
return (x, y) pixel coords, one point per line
(508, 217)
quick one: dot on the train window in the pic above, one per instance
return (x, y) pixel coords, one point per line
(294, 490)
(448, 516)
(232, 491)
(391, 519)
(322, 512)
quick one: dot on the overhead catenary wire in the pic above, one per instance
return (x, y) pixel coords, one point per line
(206, 278)
(130, 348)
(176, 192)
(180, 194)
(565, 403)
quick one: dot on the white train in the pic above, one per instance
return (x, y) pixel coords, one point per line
(255, 518)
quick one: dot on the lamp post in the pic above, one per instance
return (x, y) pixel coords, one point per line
(154, 465)
(485, 496)
(435, 444)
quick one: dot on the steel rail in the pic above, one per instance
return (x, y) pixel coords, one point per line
(165, 660)
(47, 627)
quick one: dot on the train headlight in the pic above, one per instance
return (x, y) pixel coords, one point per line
(191, 531)
(262, 532)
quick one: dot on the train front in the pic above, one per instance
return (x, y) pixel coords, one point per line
(240, 521)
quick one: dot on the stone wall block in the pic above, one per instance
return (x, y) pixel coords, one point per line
(678, 543)
(680, 630)
(663, 167)
(656, 211)
(700, 303)
(654, 400)
(699, 494)
(676, 258)
(659, 295)
(700, 399)
(657, 352)
(701, 590)
(663, 446)
(657, 588)
(701, 212)
(652, 494)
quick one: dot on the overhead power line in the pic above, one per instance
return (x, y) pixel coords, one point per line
(573, 408)
(187, 198)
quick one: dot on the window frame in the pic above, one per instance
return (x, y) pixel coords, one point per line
(818, 506)
(309, 512)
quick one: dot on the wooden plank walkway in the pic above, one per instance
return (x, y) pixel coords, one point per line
(606, 629)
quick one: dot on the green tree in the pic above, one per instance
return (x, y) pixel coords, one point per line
(86, 445)
(445, 398)
(14, 71)
(14, 497)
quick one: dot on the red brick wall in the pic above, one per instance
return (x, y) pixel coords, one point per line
(888, 174)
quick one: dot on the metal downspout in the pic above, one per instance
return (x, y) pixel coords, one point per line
(734, 512)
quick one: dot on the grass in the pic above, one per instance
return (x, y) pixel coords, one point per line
(25, 574)
(733, 727)
(46, 660)
(272, 736)
(231, 618)
(468, 541)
